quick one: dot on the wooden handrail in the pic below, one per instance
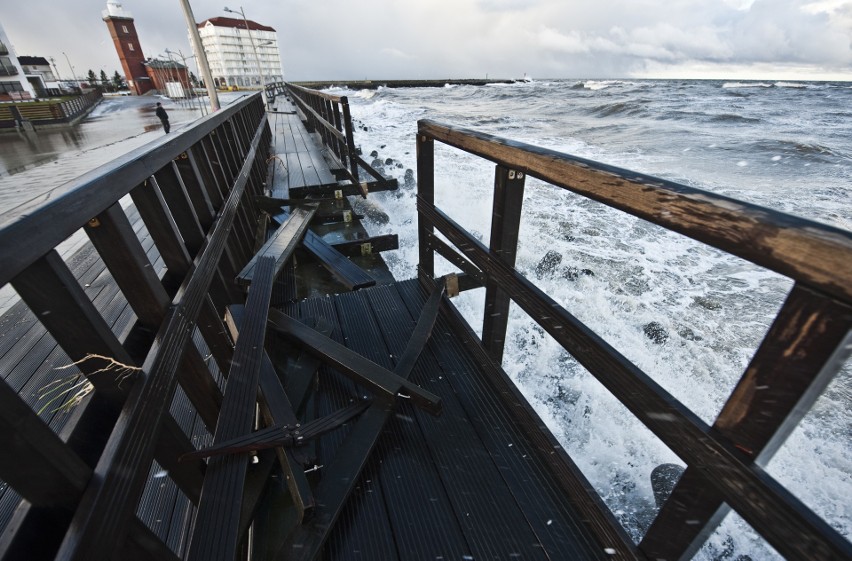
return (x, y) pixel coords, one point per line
(802, 352)
(816, 254)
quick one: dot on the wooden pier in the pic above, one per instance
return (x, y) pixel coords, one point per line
(263, 389)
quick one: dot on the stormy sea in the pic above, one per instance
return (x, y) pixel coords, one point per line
(688, 315)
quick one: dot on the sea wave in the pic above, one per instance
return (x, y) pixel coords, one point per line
(603, 84)
(617, 108)
(732, 118)
(746, 85)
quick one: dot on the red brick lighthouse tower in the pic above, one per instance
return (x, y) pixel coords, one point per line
(123, 33)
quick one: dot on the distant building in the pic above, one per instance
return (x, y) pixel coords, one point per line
(42, 77)
(168, 77)
(120, 24)
(14, 85)
(228, 45)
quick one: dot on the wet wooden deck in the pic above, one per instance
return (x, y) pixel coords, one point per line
(468, 484)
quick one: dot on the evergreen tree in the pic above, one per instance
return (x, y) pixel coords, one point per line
(93, 80)
(105, 82)
(118, 81)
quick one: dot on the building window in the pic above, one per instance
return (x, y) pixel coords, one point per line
(124, 28)
(8, 87)
(130, 47)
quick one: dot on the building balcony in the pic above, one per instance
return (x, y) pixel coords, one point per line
(8, 71)
(4, 50)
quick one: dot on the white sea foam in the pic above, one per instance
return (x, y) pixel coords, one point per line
(746, 85)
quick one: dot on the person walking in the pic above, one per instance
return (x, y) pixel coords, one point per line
(164, 117)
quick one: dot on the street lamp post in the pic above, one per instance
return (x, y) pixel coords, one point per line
(256, 56)
(200, 55)
(73, 76)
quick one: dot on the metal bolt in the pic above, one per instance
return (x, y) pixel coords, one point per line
(511, 174)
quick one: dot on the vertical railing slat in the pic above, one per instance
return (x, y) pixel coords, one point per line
(426, 190)
(505, 227)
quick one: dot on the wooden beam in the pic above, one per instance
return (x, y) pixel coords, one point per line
(368, 246)
(815, 254)
(217, 522)
(505, 228)
(361, 370)
(277, 410)
(345, 190)
(345, 271)
(795, 362)
(282, 243)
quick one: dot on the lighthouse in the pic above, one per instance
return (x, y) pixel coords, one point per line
(123, 33)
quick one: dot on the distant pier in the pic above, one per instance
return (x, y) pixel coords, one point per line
(375, 84)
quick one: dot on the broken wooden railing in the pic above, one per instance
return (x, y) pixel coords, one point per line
(329, 116)
(172, 254)
(803, 350)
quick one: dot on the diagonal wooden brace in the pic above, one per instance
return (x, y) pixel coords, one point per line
(350, 363)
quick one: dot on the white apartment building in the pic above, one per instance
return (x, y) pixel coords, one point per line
(14, 85)
(228, 45)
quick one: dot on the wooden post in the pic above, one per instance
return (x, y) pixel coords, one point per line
(426, 191)
(797, 359)
(505, 223)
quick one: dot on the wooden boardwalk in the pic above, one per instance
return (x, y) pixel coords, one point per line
(387, 429)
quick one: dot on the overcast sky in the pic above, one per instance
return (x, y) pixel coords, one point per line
(386, 39)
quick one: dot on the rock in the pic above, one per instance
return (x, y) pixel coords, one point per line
(688, 333)
(707, 303)
(374, 154)
(399, 165)
(371, 210)
(663, 479)
(573, 273)
(377, 165)
(382, 147)
(655, 332)
(409, 180)
(548, 263)
(389, 162)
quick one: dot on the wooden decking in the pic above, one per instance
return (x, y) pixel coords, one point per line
(467, 484)
(298, 162)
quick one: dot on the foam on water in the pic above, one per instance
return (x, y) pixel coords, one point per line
(620, 274)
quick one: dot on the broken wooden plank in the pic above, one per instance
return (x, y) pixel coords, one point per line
(216, 532)
(361, 370)
(368, 246)
(348, 273)
(346, 190)
(282, 243)
(277, 410)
